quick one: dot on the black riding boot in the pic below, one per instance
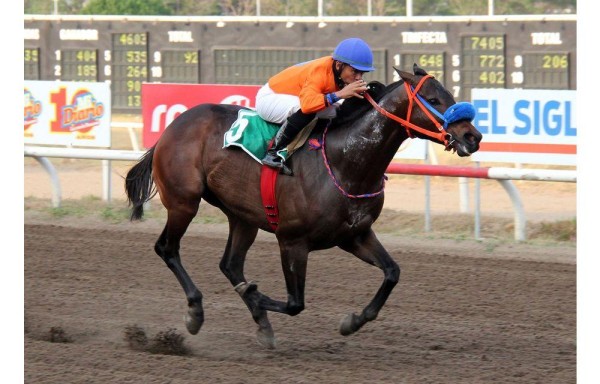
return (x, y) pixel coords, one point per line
(290, 128)
(282, 139)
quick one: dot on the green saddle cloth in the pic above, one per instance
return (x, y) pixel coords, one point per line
(253, 134)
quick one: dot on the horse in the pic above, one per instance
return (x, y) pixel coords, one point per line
(333, 199)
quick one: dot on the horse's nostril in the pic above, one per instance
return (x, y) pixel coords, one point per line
(471, 138)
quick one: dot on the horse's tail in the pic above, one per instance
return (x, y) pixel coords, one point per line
(139, 185)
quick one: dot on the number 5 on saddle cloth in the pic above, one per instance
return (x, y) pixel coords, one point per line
(253, 134)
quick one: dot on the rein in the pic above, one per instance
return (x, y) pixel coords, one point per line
(442, 135)
(336, 182)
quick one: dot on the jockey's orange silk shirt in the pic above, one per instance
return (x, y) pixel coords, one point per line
(310, 81)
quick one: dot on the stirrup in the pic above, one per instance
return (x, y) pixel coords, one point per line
(272, 160)
(285, 170)
(277, 162)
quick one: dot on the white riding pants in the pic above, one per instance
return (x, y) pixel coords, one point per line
(277, 107)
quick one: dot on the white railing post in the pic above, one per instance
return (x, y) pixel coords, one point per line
(519, 212)
(463, 191)
(477, 216)
(54, 180)
(427, 193)
(106, 181)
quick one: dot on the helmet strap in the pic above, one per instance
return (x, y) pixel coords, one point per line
(337, 74)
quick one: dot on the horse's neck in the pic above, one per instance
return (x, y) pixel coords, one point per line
(362, 150)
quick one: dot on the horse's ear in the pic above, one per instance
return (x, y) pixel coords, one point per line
(418, 70)
(406, 76)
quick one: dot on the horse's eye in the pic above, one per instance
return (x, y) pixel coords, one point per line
(433, 101)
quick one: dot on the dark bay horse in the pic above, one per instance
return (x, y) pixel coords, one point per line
(319, 207)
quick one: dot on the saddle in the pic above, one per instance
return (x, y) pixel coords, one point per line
(253, 134)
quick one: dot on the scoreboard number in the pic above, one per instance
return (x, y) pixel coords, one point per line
(181, 66)
(79, 64)
(433, 63)
(483, 62)
(546, 70)
(129, 69)
(32, 64)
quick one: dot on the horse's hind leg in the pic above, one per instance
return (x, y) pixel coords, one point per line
(367, 248)
(167, 247)
(241, 237)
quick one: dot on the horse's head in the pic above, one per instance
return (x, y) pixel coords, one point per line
(432, 108)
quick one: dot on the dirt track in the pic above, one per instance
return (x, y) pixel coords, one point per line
(460, 314)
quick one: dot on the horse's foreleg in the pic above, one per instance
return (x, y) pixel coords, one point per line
(293, 261)
(241, 237)
(167, 247)
(368, 248)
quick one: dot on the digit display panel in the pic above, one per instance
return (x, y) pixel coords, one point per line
(433, 63)
(180, 66)
(483, 62)
(32, 64)
(129, 69)
(79, 65)
(546, 70)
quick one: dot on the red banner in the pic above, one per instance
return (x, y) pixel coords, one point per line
(162, 103)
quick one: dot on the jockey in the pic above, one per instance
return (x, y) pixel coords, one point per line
(298, 94)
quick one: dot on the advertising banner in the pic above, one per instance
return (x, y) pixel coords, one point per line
(526, 126)
(162, 103)
(67, 113)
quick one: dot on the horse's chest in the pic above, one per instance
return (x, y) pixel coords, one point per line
(358, 220)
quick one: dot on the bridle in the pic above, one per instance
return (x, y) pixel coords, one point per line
(456, 112)
(413, 97)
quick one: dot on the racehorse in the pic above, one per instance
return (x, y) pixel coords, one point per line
(333, 199)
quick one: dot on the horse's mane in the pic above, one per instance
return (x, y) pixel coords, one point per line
(354, 107)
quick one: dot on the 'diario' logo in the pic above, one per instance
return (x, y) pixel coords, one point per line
(32, 109)
(80, 116)
(83, 114)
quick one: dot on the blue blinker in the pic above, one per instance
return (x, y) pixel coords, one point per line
(459, 111)
(456, 112)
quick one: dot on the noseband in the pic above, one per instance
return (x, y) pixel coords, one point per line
(456, 112)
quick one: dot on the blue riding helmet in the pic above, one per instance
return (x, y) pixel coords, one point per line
(356, 53)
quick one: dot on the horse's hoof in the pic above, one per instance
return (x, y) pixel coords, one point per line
(193, 321)
(266, 337)
(349, 324)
